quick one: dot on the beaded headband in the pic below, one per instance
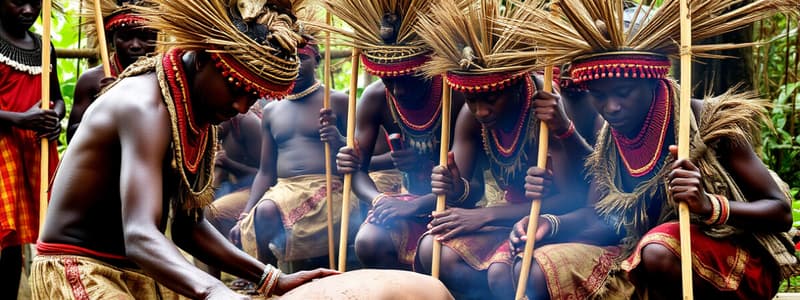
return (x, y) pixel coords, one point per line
(480, 83)
(253, 44)
(397, 66)
(122, 19)
(619, 64)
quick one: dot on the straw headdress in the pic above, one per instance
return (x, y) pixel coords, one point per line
(593, 35)
(384, 31)
(253, 42)
(469, 46)
(116, 14)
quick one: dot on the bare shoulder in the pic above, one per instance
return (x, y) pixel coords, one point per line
(91, 78)
(339, 98)
(375, 92)
(133, 103)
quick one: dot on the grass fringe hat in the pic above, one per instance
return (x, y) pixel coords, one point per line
(253, 42)
(470, 47)
(594, 38)
(116, 14)
(384, 31)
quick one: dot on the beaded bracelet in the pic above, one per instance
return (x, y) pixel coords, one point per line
(268, 281)
(570, 131)
(465, 194)
(716, 209)
(554, 224)
(725, 209)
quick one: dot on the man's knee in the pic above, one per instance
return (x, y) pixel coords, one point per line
(499, 276)
(268, 212)
(425, 250)
(372, 244)
(658, 260)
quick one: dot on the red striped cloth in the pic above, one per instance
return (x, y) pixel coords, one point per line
(20, 154)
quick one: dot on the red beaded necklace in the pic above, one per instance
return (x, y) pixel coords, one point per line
(641, 153)
(506, 151)
(193, 138)
(424, 118)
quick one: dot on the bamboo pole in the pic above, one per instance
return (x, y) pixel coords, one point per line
(101, 38)
(536, 205)
(443, 150)
(348, 178)
(326, 103)
(683, 142)
(46, 69)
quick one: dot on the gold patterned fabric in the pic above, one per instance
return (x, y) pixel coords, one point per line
(83, 278)
(301, 201)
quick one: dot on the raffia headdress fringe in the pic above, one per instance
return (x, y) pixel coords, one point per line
(208, 26)
(732, 118)
(402, 56)
(591, 26)
(467, 38)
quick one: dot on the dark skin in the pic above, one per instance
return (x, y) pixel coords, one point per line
(373, 246)
(767, 210)
(129, 44)
(16, 18)
(292, 144)
(240, 151)
(121, 163)
(501, 110)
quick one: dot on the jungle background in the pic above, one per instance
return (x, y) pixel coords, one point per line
(770, 68)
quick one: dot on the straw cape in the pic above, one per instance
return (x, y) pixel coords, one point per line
(255, 42)
(599, 41)
(386, 51)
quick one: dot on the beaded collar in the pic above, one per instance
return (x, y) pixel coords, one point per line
(23, 60)
(641, 154)
(420, 127)
(192, 145)
(297, 96)
(506, 150)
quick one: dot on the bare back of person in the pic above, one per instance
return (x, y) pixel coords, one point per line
(82, 185)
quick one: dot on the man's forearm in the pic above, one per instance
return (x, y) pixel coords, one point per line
(208, 245)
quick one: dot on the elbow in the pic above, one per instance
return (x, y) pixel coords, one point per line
(136, 243)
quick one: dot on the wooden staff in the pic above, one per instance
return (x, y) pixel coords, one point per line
(326, 103)
(683, 143)
(45, 157)
(101, 38)
(536, 205)
(348, 178)
(443, 150)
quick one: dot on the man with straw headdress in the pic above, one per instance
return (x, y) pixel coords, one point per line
(129, 39)
(404, 102)
(24, 125)
(285, 218)
(146, 152)
(739, 213)
(497, 125)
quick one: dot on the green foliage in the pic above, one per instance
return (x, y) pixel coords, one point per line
(65, 34)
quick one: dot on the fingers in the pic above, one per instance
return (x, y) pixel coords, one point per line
(347, 161)
(441, 181)
(453, 232)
